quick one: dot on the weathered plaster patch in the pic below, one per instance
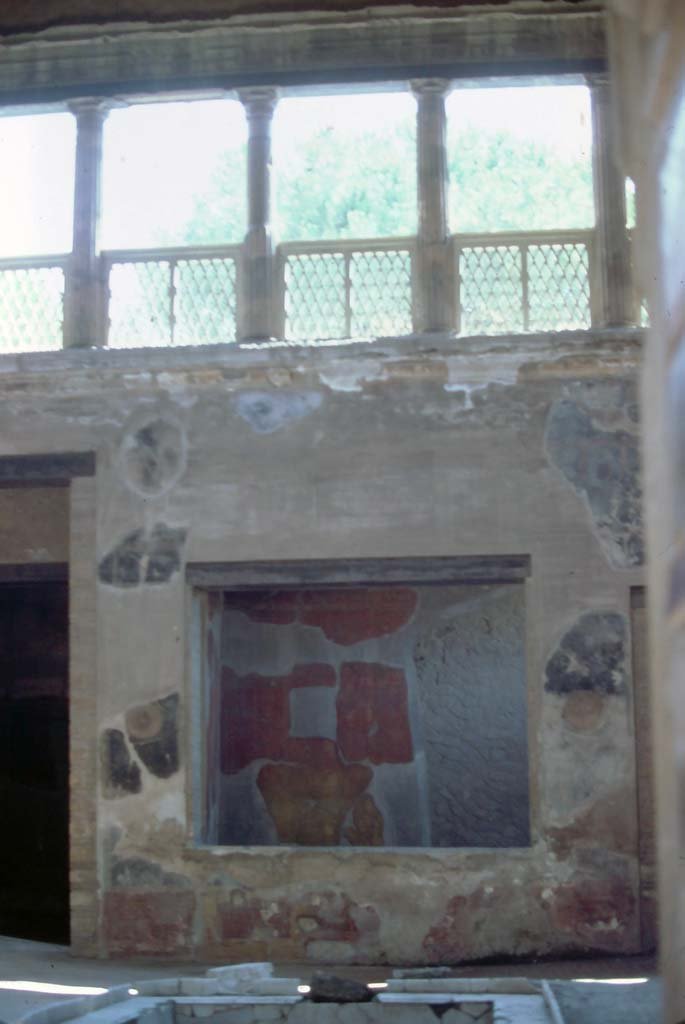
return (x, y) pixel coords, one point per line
(604, 468)
(138, 873)
(267, 412)
(153, 455)
(120, 774)
(153, 731)
(352, 376)
(591, 656)
(477, 373)
(140, 558)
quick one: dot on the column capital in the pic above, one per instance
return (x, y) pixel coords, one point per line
(91, 105)
(259, 101)
(430, 86)
(597, 80)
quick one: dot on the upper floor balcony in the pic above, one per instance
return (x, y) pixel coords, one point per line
(469, 265)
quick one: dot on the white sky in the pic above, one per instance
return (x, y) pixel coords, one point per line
(158, 158)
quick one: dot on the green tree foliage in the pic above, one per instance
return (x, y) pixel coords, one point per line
(499, 182)
(363, 185)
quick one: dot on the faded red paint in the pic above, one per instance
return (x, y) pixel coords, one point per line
(238, 922)
(149, 922)
(312, 751)
(373, 714)
(346, 616)
(319, 916)
(255, 713)
(350, 616)
(278, 607)
(595, 912)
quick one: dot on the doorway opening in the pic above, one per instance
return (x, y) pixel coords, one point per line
(34, 759)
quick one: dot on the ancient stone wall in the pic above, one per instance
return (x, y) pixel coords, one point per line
(361, 452)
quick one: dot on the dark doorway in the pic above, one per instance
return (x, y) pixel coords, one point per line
(34, 760)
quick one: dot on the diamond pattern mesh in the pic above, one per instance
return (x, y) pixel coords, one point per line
(315, 296)
(205, 301)
(31, 309)
(558, 287)
(381, 298)
(139, 304)
(490, 289)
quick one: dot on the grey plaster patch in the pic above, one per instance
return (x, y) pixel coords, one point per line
(312, 712)
(591, 656)
(267, 411)
(243, 815)
(138, 873)
(604, 467)
(153, 731)
(120, 773)
(470, 666)
(144, 558)
(153, 455)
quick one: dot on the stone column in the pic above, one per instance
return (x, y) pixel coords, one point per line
(84, 304)
(258, 289)
(614, 304)
(435, 277)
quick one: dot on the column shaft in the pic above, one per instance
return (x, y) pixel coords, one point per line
(258, 291)
(84, 290)
(615, 301)
(435, 278)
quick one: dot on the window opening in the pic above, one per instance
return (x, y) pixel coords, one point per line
(367, 716)
(36, 218)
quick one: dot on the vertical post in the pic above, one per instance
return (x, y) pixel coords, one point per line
(435, 257)
(614, 304)
(258, 297)
(84, 291)
(525, 299)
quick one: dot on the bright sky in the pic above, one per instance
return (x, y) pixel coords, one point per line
(159, 158)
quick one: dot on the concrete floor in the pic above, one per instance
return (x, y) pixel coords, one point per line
(52, 965)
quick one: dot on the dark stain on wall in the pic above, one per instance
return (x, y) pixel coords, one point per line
(141, 558)
(120, 774)
(138, 873)
(604, 467)
(591, 656)
(153, 730)
(154, 456)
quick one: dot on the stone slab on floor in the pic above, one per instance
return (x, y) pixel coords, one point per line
(589, 1003)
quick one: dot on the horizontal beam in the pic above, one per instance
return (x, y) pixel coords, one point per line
(281, 50)
(34, 572)
(358, 572)
(57, 469)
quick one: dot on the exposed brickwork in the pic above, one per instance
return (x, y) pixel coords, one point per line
(83, 746)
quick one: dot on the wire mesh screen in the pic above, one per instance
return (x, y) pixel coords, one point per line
(205, 301)
(140, 304)
(315, 296)
(381, 297)
(491, 289)
(558, 287)
(353, 293)
(172, 302)
(31, 309)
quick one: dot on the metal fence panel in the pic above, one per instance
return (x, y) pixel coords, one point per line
(31, 308)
